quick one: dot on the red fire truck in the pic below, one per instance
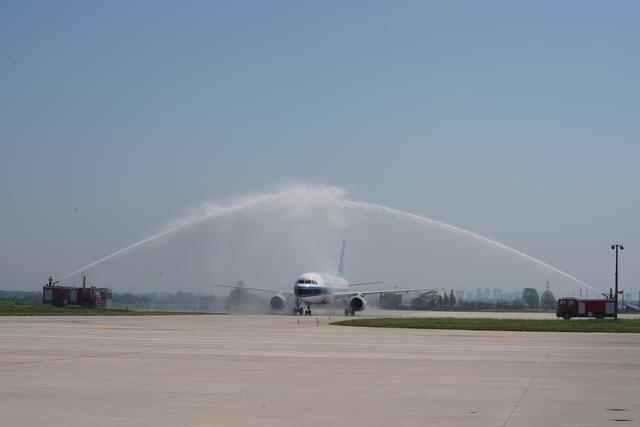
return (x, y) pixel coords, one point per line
(68, 295)
(574, 307)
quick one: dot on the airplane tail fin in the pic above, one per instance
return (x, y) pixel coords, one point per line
(341, 264)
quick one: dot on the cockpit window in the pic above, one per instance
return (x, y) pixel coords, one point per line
(307, 281)
(300, 281)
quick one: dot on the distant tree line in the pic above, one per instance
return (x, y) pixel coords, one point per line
(180, 301)
(21, 296)
(435, 300)
(237, 300)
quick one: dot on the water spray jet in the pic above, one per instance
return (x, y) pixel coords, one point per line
(299, 202)
(463, 232)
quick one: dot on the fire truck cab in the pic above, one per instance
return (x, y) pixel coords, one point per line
(569, 307)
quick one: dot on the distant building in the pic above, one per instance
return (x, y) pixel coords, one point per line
(459, 295)
(478, 294)
(486, 295)
(496, 294)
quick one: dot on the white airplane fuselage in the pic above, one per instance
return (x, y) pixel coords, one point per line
(318, 288)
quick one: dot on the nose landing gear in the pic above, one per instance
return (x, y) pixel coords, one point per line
(299, 310)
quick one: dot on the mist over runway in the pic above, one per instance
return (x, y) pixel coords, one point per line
(269, 239)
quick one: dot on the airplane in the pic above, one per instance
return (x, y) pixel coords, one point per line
(322, 288)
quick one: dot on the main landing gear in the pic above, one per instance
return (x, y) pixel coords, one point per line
(349, 312)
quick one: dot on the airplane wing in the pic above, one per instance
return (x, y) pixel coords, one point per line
(364, 283)
(385, 291)
(249, 288)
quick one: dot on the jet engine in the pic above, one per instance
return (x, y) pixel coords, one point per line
(278, 302)
(357, 303)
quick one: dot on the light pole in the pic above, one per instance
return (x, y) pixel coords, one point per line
(616, 248)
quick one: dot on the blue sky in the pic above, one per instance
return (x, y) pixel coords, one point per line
(517, 120)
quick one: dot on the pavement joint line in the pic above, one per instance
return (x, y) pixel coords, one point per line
(88, 356)
(533, 378)
(236, 341)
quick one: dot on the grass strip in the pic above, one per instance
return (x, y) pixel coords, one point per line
(553, 325)
(47, 310)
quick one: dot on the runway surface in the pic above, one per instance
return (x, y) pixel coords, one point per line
(274, 371)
